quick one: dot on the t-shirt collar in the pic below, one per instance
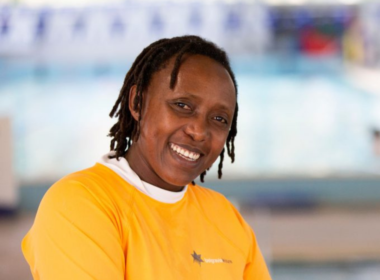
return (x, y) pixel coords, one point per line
(121, 167)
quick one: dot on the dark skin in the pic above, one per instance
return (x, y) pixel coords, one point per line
(182, 131)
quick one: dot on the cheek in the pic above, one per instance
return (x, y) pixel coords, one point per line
(154, 131)
(148, 138)
(218, 145)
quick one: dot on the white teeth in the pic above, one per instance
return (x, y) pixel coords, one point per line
(192, 156)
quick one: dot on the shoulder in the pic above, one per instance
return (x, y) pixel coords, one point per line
(95, 187)
(212, 201)
(223, 215)
(204, 193)
(216, 204)
(78, 222)
(91, 198)
(83, 182)
(95, 175)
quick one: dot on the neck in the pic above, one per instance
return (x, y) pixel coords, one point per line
(146, 173)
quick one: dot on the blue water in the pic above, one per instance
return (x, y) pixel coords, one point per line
(296, 117)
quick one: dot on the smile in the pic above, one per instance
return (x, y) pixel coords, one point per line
(191, 156)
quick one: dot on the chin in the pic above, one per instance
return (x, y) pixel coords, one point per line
(180, 182)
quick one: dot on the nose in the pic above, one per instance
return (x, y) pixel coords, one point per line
(197, 128)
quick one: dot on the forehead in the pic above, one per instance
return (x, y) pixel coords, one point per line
(201, 66)
(199, 76)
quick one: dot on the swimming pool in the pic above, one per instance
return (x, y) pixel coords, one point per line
(296, 117)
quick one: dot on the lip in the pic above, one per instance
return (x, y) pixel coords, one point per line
(183, 160)
(189, 148)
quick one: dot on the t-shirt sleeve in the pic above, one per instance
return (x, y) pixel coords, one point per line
(256, 268)
(76, 235)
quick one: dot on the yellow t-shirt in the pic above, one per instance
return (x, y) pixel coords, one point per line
(94, 225)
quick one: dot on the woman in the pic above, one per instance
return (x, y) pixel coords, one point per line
(137, 214)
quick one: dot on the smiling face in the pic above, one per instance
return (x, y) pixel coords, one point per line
(182, 131)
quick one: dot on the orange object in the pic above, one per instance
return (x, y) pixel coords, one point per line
(94, 225)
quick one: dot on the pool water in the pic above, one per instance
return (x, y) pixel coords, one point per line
(296, 117)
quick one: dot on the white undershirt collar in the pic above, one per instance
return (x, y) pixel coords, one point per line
(122, 168)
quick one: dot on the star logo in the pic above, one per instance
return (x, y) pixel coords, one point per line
(197, 258)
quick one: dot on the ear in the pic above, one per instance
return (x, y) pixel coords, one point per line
(132, 96)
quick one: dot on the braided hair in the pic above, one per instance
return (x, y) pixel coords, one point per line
(152, 59)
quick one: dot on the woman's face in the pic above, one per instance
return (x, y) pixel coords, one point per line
(183, 131)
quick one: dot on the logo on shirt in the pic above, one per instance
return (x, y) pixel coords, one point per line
(198, 259)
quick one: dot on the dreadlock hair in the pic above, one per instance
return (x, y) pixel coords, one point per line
(152, 59)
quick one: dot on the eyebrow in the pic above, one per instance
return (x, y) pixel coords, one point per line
(188, 94)
(222, 106)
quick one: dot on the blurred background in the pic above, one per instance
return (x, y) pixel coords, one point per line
(307, 171)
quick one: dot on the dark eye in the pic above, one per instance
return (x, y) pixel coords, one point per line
(183, 105)
(221, 119)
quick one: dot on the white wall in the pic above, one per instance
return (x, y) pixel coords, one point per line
(8, 191)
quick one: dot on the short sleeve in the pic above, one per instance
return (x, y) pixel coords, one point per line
(75, 236)
(256, 268)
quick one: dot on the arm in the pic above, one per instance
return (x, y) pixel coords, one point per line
(75, 236)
